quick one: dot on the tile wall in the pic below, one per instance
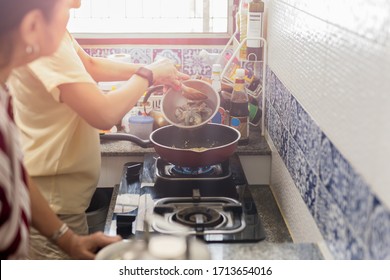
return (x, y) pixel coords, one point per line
(188, 58)
(351, 219)
(328, 85)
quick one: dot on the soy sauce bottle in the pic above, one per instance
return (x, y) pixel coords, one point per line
(239, 112)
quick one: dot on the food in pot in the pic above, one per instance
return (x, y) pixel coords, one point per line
(193, 113)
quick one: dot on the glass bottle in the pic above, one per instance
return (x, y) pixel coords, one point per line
(239, 112)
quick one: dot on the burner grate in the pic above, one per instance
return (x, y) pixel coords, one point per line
(199, 217)
(204, 170)
(168, 171)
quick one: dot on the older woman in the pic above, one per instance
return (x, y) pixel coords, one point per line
(30, 29)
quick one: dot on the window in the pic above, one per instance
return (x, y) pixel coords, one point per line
(117, 17)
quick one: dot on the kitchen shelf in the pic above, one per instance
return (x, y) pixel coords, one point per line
(226, 61)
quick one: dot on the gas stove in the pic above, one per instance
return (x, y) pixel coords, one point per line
(212, 202)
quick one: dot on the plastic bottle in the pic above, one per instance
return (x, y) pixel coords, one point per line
(255, 30)
(243, 18)
(239, 112)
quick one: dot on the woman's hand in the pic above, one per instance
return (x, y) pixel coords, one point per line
(166, 73)
(85, 247)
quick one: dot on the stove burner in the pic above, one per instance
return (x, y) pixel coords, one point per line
(204, 170)
(198, 216)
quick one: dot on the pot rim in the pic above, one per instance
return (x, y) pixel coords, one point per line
(191, 150)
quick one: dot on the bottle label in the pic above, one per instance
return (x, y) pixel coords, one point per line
(254, 29)
(241, 124)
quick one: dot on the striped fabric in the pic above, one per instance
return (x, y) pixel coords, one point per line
(14, 196)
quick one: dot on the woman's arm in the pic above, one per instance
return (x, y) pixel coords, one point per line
(47, 223)
(103, 111)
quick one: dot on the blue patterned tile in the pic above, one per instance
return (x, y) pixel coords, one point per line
(353, 222)
(334, 228)
(294, 118)
(283, 151)
(303, 176)
(270, 84)
(282, 102)
(305, 132)
(378, 233)
(347, 188)
(326, 161)
(275, 128)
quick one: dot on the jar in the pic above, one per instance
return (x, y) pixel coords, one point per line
(140, 126)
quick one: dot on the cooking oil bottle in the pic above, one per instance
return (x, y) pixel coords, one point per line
(239, 112)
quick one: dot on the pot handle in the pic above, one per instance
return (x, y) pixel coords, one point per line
(126, 137)
(150, 91)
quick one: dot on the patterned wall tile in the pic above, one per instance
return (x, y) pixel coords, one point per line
(334, 228)
(348, 189)
(193, 64)
(378, 233)
(347, 213)
(305, 132)
(176, 55)
(139, 55)
(278, 131)
(303, 176)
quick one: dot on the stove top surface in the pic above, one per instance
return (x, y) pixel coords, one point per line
(219, 208)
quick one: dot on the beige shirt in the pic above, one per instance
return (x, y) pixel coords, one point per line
(62, 151)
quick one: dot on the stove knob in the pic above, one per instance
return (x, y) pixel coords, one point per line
(124, 225)
(133, 172)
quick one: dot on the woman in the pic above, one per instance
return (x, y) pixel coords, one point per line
(30, 29)
(62, 147)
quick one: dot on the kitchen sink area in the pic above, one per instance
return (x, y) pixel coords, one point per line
(235, 218)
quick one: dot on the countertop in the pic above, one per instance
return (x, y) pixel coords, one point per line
(257, 146)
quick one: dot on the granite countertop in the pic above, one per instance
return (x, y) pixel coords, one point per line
(278, 244)
(257, 146)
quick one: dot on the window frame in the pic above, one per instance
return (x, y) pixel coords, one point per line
(217, 38)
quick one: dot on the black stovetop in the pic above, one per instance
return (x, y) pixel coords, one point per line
(234, 186)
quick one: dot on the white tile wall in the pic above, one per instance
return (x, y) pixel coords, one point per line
(334, 57)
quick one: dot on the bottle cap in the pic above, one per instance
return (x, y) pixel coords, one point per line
(217, 68)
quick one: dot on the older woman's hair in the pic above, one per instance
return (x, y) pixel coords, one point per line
(11, 14)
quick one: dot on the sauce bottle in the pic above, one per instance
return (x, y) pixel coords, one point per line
(239, 112)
